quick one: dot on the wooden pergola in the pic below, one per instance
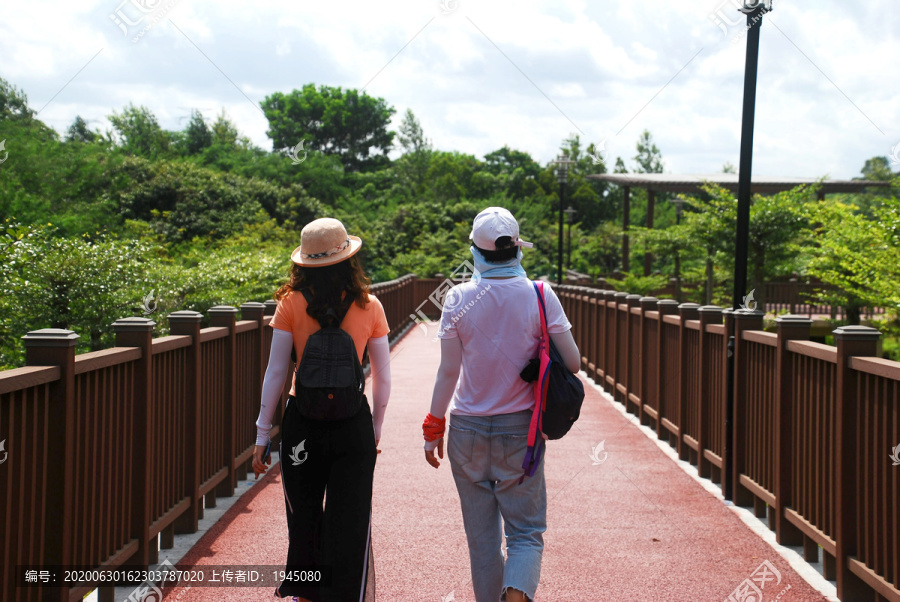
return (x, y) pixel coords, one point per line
(693, 184)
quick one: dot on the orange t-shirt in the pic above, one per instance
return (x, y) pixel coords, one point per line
(360, 324)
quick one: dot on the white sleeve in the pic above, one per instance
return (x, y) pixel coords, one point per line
(556, 317)
(273, 383)
(447, 326)
(380, 360)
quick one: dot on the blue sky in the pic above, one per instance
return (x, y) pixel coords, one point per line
(481, 75)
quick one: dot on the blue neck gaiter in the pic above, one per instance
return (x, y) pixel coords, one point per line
(484, 269)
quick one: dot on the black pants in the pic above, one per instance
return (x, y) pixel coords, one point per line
(332, 461)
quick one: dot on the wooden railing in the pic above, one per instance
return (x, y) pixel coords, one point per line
(110, 449)
(791, 296)
(813, 425)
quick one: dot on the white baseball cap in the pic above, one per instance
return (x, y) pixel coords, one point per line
(494, 223)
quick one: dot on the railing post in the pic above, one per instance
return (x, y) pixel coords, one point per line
(851, 341)
(709, 314)
(594, 335)
(790, 328)
(687, 311)
(256, 312)
(600, 333)
(270, 306)
(138, 332)
(583, 300)
(744, 319)
(609, 355)
(56, 347)
(620, 370)
(225, 316)
(187, 323)
(632, 355)
(664, 389)
(647, 304)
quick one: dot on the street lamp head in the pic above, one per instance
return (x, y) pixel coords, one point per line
(570, 214)
(562, 168)
(751, 5)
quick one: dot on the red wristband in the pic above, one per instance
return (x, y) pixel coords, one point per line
(433, 427)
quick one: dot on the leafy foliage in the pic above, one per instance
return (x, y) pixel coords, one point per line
(336, 122)
(94, 222)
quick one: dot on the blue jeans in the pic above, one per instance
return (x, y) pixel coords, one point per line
(486, 454)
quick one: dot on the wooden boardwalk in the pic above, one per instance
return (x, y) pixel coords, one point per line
(633, 526)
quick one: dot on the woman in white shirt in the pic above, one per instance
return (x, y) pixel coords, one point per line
(490, 329)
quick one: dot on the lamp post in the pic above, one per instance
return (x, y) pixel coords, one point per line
(754, 9)
(562, 175)
(570, 217)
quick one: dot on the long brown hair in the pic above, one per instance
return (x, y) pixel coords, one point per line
(327, 284)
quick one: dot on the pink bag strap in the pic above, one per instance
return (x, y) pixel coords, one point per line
(536, 443)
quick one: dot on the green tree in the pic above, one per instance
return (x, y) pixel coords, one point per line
(858, 255)
(778, 228)
(349, 124)
(648, 157)
(413, 165)
(878, 169)
(183, 201)
(77, 283)
(79, 132)
(13, 102)
(139, 133)
(197, 135)
(224, 132)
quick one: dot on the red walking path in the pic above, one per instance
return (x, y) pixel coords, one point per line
(634, 526)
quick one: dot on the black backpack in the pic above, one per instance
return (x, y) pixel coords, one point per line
(329, 383)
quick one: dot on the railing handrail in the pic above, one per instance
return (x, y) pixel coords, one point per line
(189, 393)
(806, 418)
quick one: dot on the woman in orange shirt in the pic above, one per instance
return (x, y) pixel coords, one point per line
(333, 457)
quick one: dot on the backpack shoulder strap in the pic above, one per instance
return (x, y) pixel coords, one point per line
(341, 313)
(542, 307)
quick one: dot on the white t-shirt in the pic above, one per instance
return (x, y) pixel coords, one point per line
(499, 325)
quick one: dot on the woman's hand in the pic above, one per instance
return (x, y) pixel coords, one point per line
(429, 453)
(258, 466)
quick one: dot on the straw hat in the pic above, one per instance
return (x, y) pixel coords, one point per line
(324, 242)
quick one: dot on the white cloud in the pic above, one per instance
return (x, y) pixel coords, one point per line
(600, 63)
